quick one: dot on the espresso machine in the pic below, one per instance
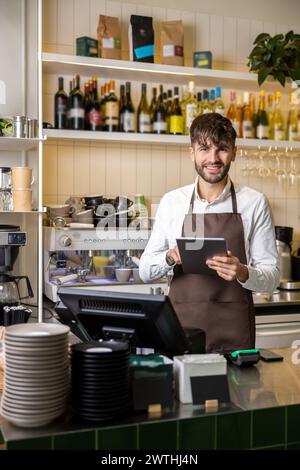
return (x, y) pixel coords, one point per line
(70, 256)
(11, 239)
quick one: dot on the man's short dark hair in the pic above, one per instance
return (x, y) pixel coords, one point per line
(213, 128)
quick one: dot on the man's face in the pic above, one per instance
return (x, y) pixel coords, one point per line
(212, 163)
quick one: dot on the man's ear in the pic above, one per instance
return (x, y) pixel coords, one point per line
(192, 154)
(234, 154)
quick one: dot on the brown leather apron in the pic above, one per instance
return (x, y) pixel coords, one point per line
(223, 309)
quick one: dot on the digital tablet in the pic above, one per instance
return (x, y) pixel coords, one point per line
(194, 252)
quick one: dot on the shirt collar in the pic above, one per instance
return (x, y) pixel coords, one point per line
(224, 194)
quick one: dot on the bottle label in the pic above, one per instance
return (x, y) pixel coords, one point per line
(220, 110)
(292, 133)
(247, 129)
(262, 131)
(176, 125)
(191, 113)
(278, 134)
(206, 110)
(144, 123)
(76, 113)
(112, 113)
(61, 106)
(95, 117)
(128, 121)
(159, 126)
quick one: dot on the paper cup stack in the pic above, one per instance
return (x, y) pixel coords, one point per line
(36, 373)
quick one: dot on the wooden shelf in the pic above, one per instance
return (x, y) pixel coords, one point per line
(12, 144)
(25, 212)
(61, 64)
(153, 139)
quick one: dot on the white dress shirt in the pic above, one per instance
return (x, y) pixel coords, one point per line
(260, 246)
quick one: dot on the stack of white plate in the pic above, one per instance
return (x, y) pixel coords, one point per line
(36, 373)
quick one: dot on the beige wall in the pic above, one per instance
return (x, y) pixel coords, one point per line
(227, 28)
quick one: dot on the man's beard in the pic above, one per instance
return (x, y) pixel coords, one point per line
(213, 178)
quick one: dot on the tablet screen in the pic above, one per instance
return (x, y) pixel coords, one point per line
(194, 253)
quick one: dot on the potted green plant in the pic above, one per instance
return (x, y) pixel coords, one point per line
(277, 56)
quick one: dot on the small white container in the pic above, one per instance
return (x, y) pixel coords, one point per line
(195, 365)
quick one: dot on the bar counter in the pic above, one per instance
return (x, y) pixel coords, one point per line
(264, 414)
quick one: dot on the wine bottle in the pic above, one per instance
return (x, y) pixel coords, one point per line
(176, 119)
(190, 108)
(127, 112)
(232, 113)
(94, 114)
(262, 130)
(143, 113)
(199, 101)
(247, 126)
(60, 106)
(87, 105)
(121, 106)
(169, 107)
(159, 118)
(77, 107)
(278, 121)
(219, 104)
(292, 121)
(270, 113)
(153, 106)
(239, 113)
(111, 109)
(212, 99)
(206, 106)
(254, 114)
(69, 104)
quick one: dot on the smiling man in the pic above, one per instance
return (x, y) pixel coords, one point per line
(213, 206)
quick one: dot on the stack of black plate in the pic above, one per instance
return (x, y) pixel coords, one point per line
(100, 379)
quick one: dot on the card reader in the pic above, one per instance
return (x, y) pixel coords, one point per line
(243, 357)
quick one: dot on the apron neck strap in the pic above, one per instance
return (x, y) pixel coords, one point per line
(233, 200)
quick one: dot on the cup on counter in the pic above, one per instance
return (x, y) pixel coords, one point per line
(22, 200)
(123, 274)
(22, 177)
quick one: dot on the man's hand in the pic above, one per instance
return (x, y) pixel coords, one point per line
(173, 254)
(229, 267)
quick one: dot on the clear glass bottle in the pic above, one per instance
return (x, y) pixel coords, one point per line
(278, 121)
(262, 129)
(206, 106)
(219, 104)
(292, 121)
(247, 126)
(232, 113)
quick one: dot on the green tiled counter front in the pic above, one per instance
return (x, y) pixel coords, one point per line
(265, 415)
(266, 429)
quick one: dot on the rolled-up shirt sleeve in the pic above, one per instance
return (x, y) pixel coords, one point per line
(263, 265)
(153, 264)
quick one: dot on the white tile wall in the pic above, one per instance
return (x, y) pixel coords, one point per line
(72, 168)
